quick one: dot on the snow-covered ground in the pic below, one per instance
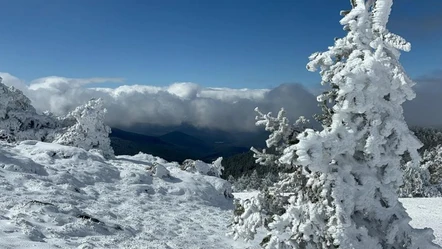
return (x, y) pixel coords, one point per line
(54, 196)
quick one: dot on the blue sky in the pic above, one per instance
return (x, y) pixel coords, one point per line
(228, 43)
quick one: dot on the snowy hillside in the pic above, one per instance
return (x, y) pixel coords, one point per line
(53, 196)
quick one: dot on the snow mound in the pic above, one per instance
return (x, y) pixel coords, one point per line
(55, 196)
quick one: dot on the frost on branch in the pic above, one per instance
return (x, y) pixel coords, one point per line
(282, 135)
(87, 129)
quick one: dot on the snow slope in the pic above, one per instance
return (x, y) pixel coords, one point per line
(53, 196)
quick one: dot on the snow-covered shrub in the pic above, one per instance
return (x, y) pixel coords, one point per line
(86, 128)
(432, 160)
(248, 217)
(19, 120)
(352, 168)
(414, 181)
(425, 180)
(198, 166)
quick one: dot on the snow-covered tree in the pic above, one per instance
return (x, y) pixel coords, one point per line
(432, 160)
(241, 183)
(268, 180)
(430, 137)
(87, 129)
(425, 180)
(354, 163)
(352, 167)
(19, 119)
(254, 181)
(260, 210)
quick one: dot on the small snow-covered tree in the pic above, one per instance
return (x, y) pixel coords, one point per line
(432, 160)
(425, 180)
(254, 181)
(87, 129)
(19, 119)
(260, 210)
(268, 180)
(241, 183)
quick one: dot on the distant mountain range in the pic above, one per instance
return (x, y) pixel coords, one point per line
(184, 142)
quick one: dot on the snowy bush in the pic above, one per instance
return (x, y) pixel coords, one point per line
(432, 160)
(277, 190)
(197, 166)
(248, 217)
(426, 179)
(88, 130)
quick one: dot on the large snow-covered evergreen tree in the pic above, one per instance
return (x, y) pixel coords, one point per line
(354, 201)
(352, 167)
(86, 128)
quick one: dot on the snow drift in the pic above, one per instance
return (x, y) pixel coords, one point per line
(55, 196)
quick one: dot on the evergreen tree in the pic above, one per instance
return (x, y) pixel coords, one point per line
(268, 180)
(425, 180)
(87, 129)
(432, 160)
(254, 181)
(430, 137)
(351, 169)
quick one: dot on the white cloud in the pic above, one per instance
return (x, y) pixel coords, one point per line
(185, 102)
(221, 108)
(61, 84)
(425, 109)
(13, 81)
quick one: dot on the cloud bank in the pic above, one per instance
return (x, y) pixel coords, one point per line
(218, 108)
(426, 108)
